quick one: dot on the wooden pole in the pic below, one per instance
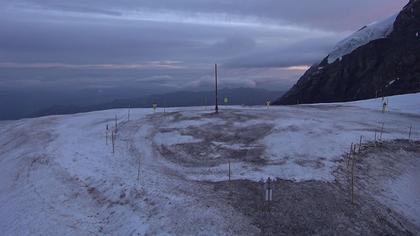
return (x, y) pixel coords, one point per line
(217, 100)
(349, 157)
(360, 142)
(352, 181)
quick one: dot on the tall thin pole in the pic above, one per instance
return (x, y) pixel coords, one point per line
(215, 76)
(352, 181)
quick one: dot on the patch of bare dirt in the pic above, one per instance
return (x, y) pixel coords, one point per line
(320, 208)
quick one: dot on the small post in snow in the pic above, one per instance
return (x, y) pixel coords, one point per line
(113, 142)
(409, 133)
(229, 170)
(375, 136)
(164, 105)
(116, 124)
(128, 115)
(382, 130)
(349, 157)
(216, 108)
(352, 181)
(360, 142)
(268, 103)
(154, 105)
(268, 191)
(354, 148)
(138, 172)
(106, 134)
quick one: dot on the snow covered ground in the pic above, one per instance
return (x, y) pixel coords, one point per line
(58, 174)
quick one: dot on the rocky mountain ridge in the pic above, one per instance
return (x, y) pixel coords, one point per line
(385, 66)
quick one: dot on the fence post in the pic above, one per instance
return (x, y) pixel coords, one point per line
(349, 156)
(229, 170)
(409, 134)
(138, 172)
(113, 142)
(382, 130)
(106, 135)
(116, 124)
(352, 181)
(375, 136)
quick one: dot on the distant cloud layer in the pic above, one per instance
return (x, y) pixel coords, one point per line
(172, 44)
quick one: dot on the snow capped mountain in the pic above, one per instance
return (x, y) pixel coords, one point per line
(381, 59)
(373, 31)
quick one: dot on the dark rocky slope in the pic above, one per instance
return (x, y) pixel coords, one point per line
(382, 67)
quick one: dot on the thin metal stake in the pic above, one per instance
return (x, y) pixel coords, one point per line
(352, 181)
(138, 172)
(217, 101)
(382, 130)
(229, 170)
(409, 133)
(113, 142)
(116, 124)
(375, 136)
(350, 153)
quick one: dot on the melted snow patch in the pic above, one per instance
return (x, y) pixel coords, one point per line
(173, 138)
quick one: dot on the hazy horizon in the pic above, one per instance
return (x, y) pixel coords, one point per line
(55, 49)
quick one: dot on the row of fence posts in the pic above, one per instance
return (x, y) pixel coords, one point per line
(113, 137)
(268, 194)
(113, 134)
(355, 149)
(114, 131)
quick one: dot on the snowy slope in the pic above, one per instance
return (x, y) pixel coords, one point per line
(407, 103)
(58, 175)
(375, 30)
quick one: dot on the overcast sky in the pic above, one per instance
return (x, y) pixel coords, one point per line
(172, 44)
